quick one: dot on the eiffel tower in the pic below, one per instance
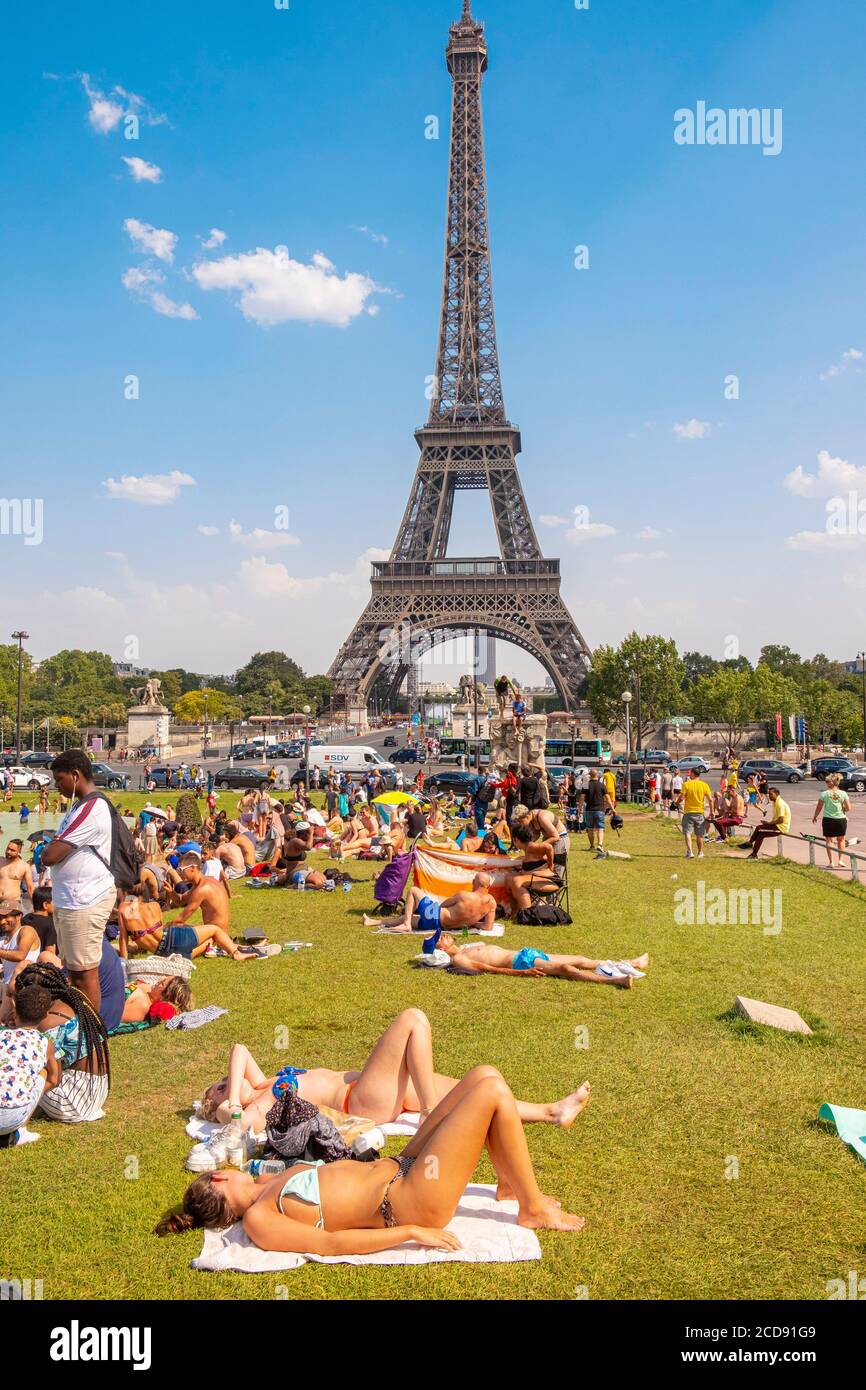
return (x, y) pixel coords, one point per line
(420, 596)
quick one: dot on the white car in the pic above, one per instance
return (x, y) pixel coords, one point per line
(28, 778)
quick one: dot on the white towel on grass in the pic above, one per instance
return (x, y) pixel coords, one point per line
(201, 1130)
(487, 1230)
(497, 929)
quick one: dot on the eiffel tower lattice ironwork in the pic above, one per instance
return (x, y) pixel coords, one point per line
(420, 596)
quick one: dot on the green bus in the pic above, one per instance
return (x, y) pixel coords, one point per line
(579, 752)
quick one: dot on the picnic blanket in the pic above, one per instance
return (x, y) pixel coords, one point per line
(850, 1125)
(498, 929)
(441, 872)
(201, 1130)
(487, 1230)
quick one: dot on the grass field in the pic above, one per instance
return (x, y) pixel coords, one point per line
(680, 1092)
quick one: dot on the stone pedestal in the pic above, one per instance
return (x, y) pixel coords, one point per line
(463, 721)
(149, 725)
(521, 746)
(357, 718)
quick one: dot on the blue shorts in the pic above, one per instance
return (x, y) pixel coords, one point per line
(428, 915)
(525, 959)
(178, 941)
(595, 820)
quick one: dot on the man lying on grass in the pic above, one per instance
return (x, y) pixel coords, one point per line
(481, 959)
(142, 929)
(423, 913)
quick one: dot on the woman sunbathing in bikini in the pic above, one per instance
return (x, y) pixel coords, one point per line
(350, 1208)
(363, 829)
(397, 1076)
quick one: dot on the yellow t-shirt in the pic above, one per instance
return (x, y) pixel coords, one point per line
(694, 791)
(782, 815)
(609, 780)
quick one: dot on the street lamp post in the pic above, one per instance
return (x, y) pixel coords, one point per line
(626, 698)
(19, 637)
(573, 739)
(307, 747)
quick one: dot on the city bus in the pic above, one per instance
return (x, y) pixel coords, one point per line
(587, 751)
(462, 752)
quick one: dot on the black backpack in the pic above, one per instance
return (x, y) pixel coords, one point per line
(542, 914)
(125, 861)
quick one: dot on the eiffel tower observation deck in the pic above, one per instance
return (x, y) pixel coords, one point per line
(421, 596)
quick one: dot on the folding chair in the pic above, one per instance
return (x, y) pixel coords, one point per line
(546, 890)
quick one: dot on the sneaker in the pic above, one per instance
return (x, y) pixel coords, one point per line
(209, 1155)
(600, 854)
(689, 854)
(701, 855)
(25, 1136)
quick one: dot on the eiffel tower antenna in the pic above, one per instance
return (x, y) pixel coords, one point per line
(420, 596)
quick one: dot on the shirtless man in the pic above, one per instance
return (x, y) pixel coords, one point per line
(236, 854)
(481, 959)
(549, 826)
(15, 874)
(142, 928)
(423, 913)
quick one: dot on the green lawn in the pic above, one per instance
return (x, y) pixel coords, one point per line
(680, 1090)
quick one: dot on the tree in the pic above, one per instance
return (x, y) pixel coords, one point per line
(781, 659)
(81, 685)
(187, 815)
(647, 666)
(736, 699)
(190, 708)
(697, 665)
(265, 667)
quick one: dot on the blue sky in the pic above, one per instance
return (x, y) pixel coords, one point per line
(299, 128)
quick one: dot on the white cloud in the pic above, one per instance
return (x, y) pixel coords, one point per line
(142, 281)
(634, 557)
(106, 111)
(693, 429)
(141, 171)
(834, 475)
(592, 531)
(273, 288)
(150, 489)
(209, 530)
(156, 240)
(374, 236)
(825, 541)
(849, 356)
(554, 520)
(649, 533)
(260, 539)
(215, 238)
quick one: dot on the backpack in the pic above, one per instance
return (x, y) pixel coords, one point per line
(543, 915)
(125, 861)
(486, 793)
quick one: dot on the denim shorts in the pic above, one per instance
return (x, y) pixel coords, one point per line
(595, 820)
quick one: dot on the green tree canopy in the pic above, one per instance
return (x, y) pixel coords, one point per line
(190, 708)
(655, 663)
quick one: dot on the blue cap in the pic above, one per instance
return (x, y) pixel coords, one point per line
(431, 942)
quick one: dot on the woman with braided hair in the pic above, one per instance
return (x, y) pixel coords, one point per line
(80, 1044)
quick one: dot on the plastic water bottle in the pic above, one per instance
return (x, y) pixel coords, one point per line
(346, 886)
(235, 1148)
(302, 883)
(264, 1167)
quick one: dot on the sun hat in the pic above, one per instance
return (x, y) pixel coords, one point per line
(159, 967)
(8, 908)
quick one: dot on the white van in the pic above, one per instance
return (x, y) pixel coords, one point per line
(354, 759)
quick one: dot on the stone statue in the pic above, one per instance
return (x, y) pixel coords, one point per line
(470, 690)
(148, 695)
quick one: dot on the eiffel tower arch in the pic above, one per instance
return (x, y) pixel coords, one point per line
(421, 596)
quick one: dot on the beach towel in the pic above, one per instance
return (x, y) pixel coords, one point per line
(497, 929)
(487, 1230)
(850, 1125)
(196, 1018)
(442, 872)
(201, 1130)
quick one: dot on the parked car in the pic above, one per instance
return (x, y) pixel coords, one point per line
(645, 755)
(854, 778)
(284, 750)
(28, 777)
(686, 764)
(409, 755)
(821, 766)
(37, 759)
(450, 779)
(244, 750)
(105, 776)
(772, 768)
(240, 778)
(390, 741)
